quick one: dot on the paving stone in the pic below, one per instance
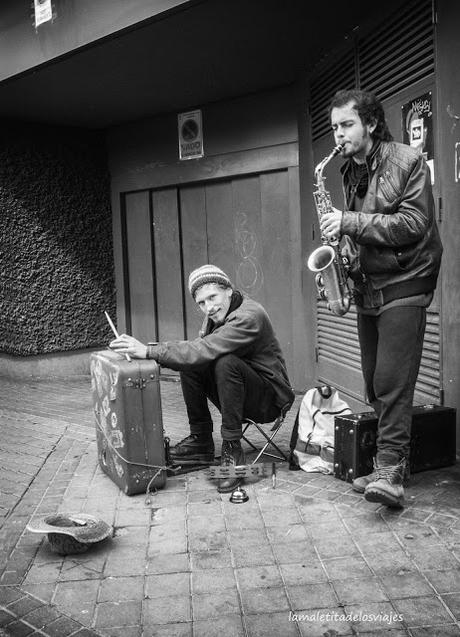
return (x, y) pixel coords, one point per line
(62, 627)
(167, 610)
(359, 591)
(131, 536)
(372, 616)
(406, 585)
(168, 515)
(271, 625)
(279, 516)
(203, 541)
(303, 573)
(444, 581)
(394, 563)
(210, 559)
(252, 554)
(74, 571)
(124, 631)
(431, 557)
(318, 595)
(264, 600)
(244, 521)
(385, 542)
(115, 588)
(386, 633)
(228, 626)
(111, 614)
(452, 600)
(335, 546)
(288, 552)
(167, 585)
(258, 577)
(215, 604)
(17, 629)
(24, 605)
(294, 533)
(208, 581)
(346, 567)
(319, 622)
(446, 630)
(9, 594)
(172, 630)
(123, 566)
(6, 616)
(168, 563)
(422, 611)
(76, 594)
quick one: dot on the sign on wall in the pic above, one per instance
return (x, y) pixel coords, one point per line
(190, 135)
(417, 127)
(43, 11)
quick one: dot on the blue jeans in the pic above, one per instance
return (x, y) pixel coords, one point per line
(391, 350)
(235, 389)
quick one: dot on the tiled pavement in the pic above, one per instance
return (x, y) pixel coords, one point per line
(307, 558)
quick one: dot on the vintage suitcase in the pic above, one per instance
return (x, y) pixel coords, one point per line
(129, 424)
(433, 441)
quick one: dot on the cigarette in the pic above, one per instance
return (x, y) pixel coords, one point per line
(114, 330)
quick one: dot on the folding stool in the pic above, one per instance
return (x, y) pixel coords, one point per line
(269, 437)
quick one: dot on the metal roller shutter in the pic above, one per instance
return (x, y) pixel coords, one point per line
(394, 56)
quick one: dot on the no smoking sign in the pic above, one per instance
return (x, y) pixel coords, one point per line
(190, 135)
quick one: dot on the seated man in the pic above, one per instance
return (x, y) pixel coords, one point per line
(236, 362)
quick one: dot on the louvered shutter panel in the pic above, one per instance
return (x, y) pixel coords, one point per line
(391, 58)
(323, 88)
(398, 54)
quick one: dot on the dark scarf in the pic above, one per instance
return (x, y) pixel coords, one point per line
(358, 177)
(235, 302)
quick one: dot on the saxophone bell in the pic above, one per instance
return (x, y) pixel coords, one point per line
(330, 279)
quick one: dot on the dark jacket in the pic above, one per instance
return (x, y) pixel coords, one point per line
(246, 332)
(395, 250)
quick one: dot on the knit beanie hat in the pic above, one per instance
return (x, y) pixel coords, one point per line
(207, 274)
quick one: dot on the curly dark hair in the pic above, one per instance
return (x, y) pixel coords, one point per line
(369, 109)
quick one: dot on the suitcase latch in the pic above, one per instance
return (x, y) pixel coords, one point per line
(137, 383)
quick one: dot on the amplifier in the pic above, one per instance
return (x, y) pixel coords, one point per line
(433, 441)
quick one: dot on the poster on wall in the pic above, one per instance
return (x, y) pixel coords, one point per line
(190, 135)
(43, 11)
(417, 127)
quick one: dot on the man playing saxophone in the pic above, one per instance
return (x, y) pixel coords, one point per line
(391, 240)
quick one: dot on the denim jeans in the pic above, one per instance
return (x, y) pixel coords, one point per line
(391, 350)
(235, 389)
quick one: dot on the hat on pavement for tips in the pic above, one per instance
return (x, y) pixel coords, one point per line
(71, 532)
(207, 274)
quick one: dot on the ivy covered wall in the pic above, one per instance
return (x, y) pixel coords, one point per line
(56, 258)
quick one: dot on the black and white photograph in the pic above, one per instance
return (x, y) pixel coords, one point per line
(229, 318)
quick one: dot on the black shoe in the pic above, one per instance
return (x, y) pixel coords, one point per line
(232, 455)
(194, 449)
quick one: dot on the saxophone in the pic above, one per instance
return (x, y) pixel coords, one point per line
(327, 261)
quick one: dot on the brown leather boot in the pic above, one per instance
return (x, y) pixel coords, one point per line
(232, 455)
(387, 486)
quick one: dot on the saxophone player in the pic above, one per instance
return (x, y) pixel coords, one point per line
(390, 237)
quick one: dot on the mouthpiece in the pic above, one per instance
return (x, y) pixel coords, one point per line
(337, 149)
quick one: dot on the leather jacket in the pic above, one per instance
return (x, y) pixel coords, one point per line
(393, 243)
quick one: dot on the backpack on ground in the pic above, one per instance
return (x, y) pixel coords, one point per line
(312, 439)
